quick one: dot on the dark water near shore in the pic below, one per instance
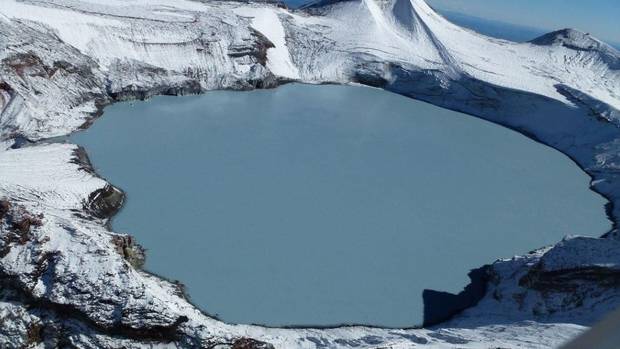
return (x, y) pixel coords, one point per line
(329, 204)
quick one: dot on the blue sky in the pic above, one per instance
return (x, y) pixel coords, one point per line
(601, 18)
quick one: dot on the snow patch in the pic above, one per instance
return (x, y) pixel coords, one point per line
(267, 22)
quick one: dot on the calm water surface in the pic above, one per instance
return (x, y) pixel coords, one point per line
(329, 204)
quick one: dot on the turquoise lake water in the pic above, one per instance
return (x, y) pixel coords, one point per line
(321, 205)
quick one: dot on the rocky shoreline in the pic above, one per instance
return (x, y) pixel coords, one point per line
(69, 281)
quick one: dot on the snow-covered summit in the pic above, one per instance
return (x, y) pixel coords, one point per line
(580, 41)
(572, 38)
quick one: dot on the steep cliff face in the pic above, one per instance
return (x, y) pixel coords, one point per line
(66, 279)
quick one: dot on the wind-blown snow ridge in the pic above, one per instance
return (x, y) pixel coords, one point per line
(65, 278)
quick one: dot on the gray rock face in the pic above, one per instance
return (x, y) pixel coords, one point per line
(67, 280)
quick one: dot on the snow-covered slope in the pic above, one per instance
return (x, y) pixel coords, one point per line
(67, 279)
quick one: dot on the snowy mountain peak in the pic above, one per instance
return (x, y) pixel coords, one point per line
(404, 14)
(408, 24)
(571, 38)
(579, 41)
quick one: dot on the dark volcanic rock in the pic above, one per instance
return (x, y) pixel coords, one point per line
(257, 49)
(104, 203)
(249, 343)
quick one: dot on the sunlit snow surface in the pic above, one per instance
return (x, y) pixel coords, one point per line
(194, 37)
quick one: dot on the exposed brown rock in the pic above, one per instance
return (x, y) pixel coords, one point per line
(5, 206)
(24, 223)
(249, 343)
(34, 334)
(258, 50)
(127, 247)
(570, 280)
(15, 226)
(26, 64)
